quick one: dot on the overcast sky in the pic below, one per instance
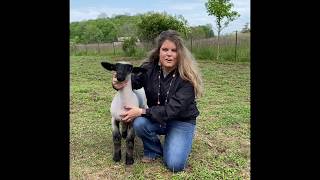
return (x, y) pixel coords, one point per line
(193, 10)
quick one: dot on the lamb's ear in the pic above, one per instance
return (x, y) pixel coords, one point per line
(109, 66)
(138, 69)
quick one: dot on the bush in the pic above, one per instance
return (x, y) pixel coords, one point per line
(129, 46)
(152, 24)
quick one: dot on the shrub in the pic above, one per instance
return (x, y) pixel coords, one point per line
(129, 46)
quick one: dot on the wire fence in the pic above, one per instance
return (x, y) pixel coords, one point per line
(234, 47)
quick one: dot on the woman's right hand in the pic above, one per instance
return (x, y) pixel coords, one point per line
(116, 84)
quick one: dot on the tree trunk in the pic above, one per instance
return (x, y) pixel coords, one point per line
(98, 48)
(75, 49)
(235, 51)
(218, 51)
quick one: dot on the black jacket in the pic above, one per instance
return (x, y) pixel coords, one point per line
(181, 98)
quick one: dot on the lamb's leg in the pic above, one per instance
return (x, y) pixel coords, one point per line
(124, 128)
(116, 140)
(130, 145)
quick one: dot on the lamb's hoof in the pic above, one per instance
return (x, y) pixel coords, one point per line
(129, 160)
(117, 157)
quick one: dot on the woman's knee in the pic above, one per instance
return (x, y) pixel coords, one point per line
(175, 165)
(174, 162)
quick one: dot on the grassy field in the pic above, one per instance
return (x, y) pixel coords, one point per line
(221, 148)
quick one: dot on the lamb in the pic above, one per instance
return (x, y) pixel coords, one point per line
(124, 97)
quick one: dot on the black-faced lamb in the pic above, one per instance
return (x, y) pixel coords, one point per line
(124, 97)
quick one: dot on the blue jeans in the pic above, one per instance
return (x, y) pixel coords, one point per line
(177, 144)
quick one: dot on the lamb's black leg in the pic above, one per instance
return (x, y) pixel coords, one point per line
(116, 140)
(124, 130)
(130, 145)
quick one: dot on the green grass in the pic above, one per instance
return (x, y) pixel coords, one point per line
(227, 53)
(221, 147)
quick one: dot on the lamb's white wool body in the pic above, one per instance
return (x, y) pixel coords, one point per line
(127, 97)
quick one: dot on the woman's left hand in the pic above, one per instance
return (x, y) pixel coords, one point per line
(131, 113)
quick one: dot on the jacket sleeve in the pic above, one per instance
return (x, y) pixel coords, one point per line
(137, 80)
(178, 103)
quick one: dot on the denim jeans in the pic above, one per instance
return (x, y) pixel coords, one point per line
(177, 144)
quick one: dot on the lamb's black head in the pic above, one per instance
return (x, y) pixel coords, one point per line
(122, 69)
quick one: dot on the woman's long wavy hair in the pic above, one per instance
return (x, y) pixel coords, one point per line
(187, 66)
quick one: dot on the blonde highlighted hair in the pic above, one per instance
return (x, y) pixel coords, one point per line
(187, 66)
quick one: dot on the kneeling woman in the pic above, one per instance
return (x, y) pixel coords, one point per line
(172, 83)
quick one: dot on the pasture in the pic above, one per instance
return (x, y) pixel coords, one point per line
(221, 147)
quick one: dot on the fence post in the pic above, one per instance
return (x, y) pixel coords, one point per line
(191, 43)
(86, 49)
(235, 52)
(114, 51)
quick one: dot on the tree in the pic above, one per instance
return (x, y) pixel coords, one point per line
(127, 30)
(152, 24)
(76, 31)
(201, 31)
(221, 9)
(185, 27)
(92, 34)
(126, 26)
(208, 31)
(108, 30)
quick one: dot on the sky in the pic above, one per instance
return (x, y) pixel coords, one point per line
(194, 11)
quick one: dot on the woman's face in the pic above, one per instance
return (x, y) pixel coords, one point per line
(168, 55)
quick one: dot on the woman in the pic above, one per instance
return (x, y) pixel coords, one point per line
(172, 82)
